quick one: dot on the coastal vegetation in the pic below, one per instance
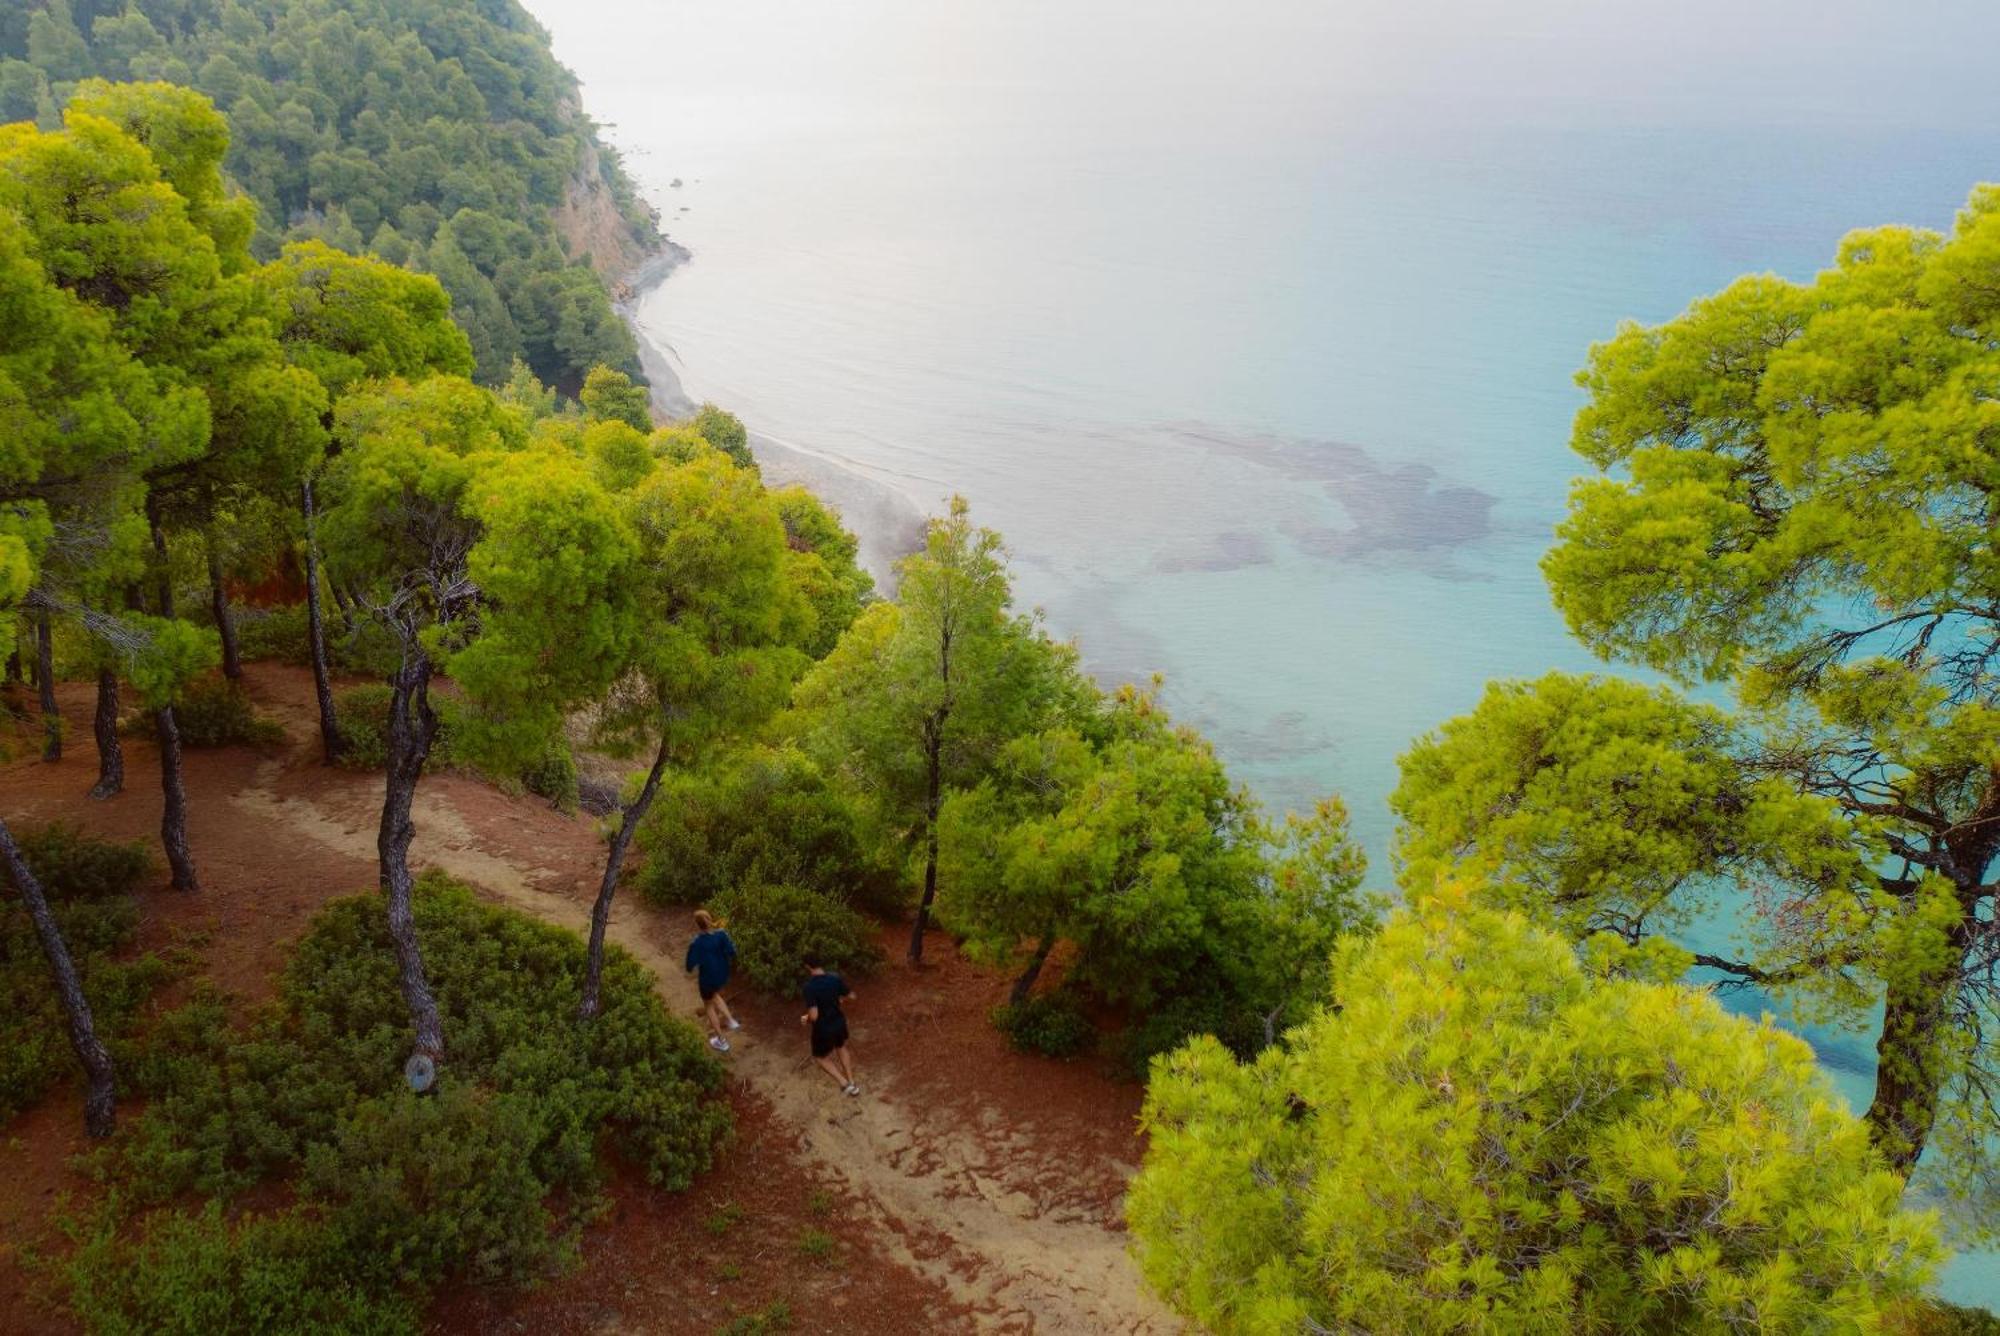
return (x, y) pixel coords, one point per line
(284, 307)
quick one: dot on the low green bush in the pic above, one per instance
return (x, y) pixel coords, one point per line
(280, 633)
(1052, 1024)
(72, 865)
(776, 927)
(193, 1274)
(362, 714)
(216, 712)
(489, 1179)
(762, 816)
(1172, 1021)
(89, 883)
(362, 717)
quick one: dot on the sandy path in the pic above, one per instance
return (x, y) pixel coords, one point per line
(938, 1205)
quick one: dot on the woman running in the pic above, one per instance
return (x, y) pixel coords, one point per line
(712, 953)
(823, 992)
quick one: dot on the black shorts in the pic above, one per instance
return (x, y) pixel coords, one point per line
(827, 1038)
(707, 992)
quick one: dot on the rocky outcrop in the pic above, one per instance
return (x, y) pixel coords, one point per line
(589, 219)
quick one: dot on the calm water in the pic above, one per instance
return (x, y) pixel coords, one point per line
(1252, 331)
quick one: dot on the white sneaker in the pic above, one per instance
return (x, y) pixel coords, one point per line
(851, 1089)
(718, 1043)
(735, 1024)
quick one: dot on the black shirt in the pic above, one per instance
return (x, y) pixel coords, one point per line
(825, 991)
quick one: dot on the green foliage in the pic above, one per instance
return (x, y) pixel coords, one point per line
(443, 134)
(772, 1319)
(1052, 1024)
(1122, 834)
(1481, 1133)
(764, 816)
(816, 1245)
(726, 432)
(89, 883)
(73, 865)
(610, 395)
(825, 567)
(366, 649)
(216, 712)
(1791, 504)
(363, 713)
(776, 927)
(191, 1274)
(491, 1178)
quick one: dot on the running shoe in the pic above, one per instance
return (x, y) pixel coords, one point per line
(718, 1043)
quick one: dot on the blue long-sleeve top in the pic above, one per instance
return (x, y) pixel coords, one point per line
(711, 953)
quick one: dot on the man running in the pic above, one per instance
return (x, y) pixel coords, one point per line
(823, 992)
(712, 953)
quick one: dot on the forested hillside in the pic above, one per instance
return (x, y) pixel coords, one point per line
(438, 134)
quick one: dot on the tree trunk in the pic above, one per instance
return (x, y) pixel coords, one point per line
(412, 729)
(173, 817)
(162, 565)
(104, 724)
(1910, 1061)
(344, 606)
(933, 748)
(45, 671)
(600, 913)
(1026, 983)
(329, 728)
(225, 620)
(100, 1087)
(14, 669)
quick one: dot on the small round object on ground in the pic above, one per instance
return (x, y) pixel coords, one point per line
(420, 1072)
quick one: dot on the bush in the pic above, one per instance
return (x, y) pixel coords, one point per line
(71, 865)
(216, 712)
(1481, 1134)
(280, 633)
(311, 1075)
(89, 883)
(192, 1275)
(762, 816)
(554, 777)
(362, 717)
(1172, 1021)
(1052, 1024)
(777, 927)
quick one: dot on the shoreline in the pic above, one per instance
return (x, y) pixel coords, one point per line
(887, 524)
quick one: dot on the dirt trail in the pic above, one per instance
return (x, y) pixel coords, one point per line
(945, 1193)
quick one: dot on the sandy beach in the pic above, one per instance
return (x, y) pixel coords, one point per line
(888, 524)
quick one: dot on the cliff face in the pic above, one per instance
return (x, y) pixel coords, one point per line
(589, 218)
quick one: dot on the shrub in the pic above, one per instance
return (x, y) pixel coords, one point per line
(1481, 1134)
(362, 714)
(71, 865)
(1172, 1021)
(216, 712)
(280, 633)
(89, 884)
(1052, 1024)
(489, 1179)
(193, 1274)
(762, 816)
(776, 927)
(554, 777)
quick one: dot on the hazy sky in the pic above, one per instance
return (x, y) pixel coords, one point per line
(1222, 64)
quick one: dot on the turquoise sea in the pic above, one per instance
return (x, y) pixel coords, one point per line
(1252, 327)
